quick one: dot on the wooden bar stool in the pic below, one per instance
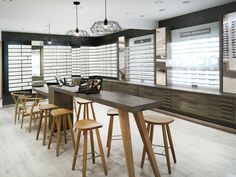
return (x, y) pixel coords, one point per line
(46, 110)
(85, 126)
(111, 112)
(85, 103)
(59, 116)
(164, 121)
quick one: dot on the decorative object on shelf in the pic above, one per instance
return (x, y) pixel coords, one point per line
(49, 35)
(77, 32)
(105, 27)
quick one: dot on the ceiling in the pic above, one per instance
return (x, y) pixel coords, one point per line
(34, 15)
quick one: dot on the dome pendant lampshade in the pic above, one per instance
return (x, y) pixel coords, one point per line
(105, 27)
(77, 32)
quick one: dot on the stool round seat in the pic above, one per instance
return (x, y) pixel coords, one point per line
(87, 124)
(60, 112)
(83, 101)
(112, 112)
(47, 106)
(158, 120)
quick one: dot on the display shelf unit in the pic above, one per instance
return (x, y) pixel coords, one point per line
(57, 61)
(194, 63)
(140, 62)
(98, 60)
(19, 67)
(229, 40)
(76, 67)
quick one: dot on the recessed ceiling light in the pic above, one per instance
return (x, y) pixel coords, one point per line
(158, 1)
(161, 10)
(7, 0)
(186, 2)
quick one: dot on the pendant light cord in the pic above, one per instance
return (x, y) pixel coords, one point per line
(105, 9)
(49, 32)
(76, 16)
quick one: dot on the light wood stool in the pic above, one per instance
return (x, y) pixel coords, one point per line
(59, 116)
(44, 109)
(85, 103)
(111, 112)
(85, 126)
(164, 121)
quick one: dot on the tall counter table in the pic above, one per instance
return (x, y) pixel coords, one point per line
(63, 97)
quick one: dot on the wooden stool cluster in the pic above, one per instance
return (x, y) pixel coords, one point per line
(61, 118)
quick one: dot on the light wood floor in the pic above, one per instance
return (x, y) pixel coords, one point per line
(201, 151)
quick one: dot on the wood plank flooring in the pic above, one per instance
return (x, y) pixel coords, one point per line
(201, 151)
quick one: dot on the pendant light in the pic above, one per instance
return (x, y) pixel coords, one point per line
(77, 32)
(105, 27)
(49, 35)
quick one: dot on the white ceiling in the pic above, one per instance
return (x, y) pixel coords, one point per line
(34, 15)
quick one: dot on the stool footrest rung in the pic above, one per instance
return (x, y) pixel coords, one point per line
(116, 137)
(157, 153)
(90, 153)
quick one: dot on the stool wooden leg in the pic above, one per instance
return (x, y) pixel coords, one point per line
(35, 116)
(78, 114)
(166, 148)
(45, 127)
(85, 154)
(30, 122)
(171, 143)
(22, 119)
(101, 151)
(76, 149)
(58, 122)
(64, 127)
(109, 135)
(75, 107)
(144, 152)
(40, 123)
(92, 146)
(51, 131)
(94, 117)
(87, 111)
(16, 113)
(84, 111)
(71, 130)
